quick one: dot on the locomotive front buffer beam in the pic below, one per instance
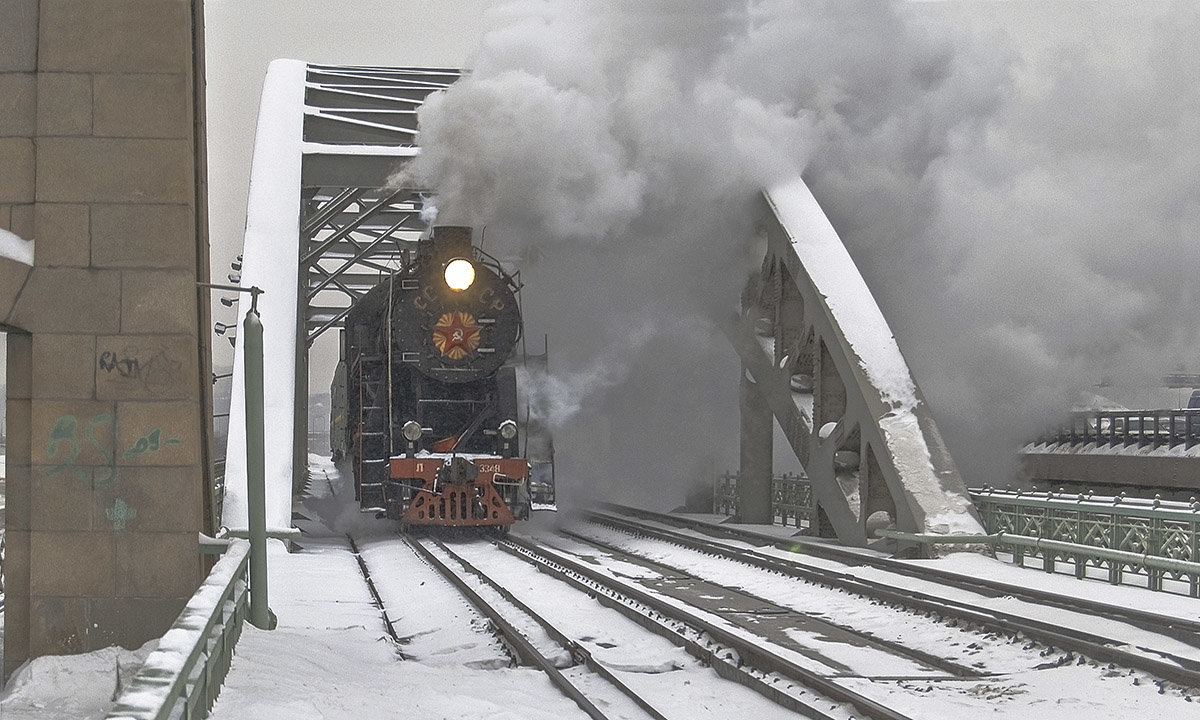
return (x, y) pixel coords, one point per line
(818, 356)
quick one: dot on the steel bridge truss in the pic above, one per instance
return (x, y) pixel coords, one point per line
(351, 239)
(818, 358)
(360, 126)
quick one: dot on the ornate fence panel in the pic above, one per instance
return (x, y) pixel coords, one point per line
(792, 500)
(1132, 528)
(725, 495)
(1125, 539)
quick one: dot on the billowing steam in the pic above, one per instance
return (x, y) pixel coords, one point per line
(1022, 220)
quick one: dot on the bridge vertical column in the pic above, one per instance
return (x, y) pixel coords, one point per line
(102, 161)
(755, 475)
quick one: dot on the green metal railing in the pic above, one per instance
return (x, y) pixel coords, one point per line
(183, 675)
(791, 499)
(1153, 540)
(180, 680)
(1125, 540)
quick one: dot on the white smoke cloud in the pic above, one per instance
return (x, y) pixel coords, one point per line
(1027, 221)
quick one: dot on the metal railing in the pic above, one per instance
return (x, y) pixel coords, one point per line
(791, 499)
(183, 675)
(1143, 428)
(1128, 529)
(1126, 540)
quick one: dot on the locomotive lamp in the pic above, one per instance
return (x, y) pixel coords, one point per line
(508, 429)
(411, 431)
(460, 273)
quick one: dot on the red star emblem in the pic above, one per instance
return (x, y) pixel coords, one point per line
(456, 334)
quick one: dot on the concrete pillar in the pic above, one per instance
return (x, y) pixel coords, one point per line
(101, 141)
(755, 474)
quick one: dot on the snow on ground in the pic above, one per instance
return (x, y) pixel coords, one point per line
(331, 658)
(80, 687)
(671, 679)
(956, 644)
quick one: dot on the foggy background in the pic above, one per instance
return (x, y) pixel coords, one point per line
(1016, 180)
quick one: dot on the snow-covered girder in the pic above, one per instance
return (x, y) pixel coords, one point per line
(818, 353)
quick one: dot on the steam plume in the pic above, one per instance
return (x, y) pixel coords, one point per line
(1021, 218)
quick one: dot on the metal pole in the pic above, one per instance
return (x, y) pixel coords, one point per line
(756, 468)
(256, 492)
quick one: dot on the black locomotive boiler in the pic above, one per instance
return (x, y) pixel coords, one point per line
(433, 430)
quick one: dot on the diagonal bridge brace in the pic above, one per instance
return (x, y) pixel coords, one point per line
(818, 355)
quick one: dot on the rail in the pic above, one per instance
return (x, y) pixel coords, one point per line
(183, 675)
(1143, 428)
(1127, 540)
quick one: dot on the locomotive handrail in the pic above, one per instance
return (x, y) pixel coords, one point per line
(192, 658)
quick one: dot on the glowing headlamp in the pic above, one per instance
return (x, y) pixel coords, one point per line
(460, 273)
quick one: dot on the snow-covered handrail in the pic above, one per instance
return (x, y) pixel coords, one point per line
(193, 657)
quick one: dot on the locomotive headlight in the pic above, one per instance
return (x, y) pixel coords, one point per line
(508, 429)
(460, 273)
(411, 431)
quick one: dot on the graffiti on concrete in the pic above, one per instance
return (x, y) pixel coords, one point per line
(152, 442)
(158, 371)
(66, 441)
(63, 446)
(120, 513)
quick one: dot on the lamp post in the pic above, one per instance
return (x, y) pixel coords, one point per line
(256, 493)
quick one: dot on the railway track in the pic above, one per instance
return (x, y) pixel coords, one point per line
(1172, 666)
(734, 656)
(499, 611)
(768, 669)
(1182, 628)
(749, 620)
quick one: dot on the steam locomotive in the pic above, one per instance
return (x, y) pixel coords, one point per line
(428, 383)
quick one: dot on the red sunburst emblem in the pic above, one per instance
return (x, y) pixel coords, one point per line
(456, 334)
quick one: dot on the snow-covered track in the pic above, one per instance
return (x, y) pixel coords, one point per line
(376, 600)
(525, 650)
(1103, 648)
(1184, 629)
(734, 655)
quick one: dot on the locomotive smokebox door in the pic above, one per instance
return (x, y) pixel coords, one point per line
(455, 318)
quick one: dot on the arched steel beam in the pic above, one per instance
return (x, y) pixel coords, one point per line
(818, 351)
